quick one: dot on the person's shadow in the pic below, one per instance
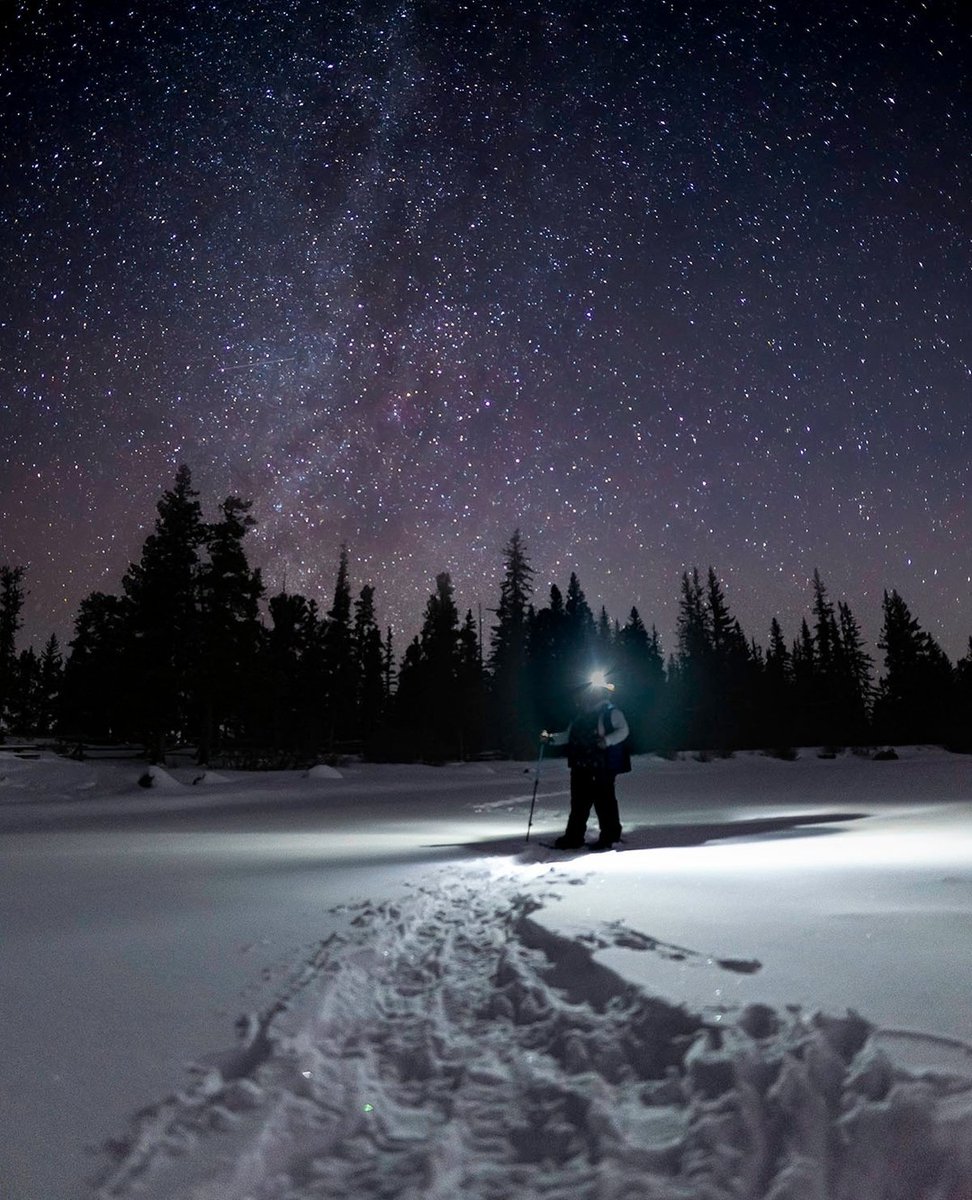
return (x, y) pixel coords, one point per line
(657, 837)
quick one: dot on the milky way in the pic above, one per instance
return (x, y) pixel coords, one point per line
(662, 284)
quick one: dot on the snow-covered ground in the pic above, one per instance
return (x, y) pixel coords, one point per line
(365, 984)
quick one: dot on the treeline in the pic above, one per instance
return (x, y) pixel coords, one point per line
(192, 652)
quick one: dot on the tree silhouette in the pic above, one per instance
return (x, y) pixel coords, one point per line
(230, 632)
(916, 689)
(95, 700)
(513, 710)
(11, 604)
(162, 619)
(368, 667)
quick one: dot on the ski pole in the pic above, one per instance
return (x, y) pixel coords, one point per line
(536, 784)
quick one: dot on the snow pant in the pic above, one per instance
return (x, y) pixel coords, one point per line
(593, 787)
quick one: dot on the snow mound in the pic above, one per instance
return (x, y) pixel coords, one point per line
(446, 1045)
(323, 771)
(159, 778)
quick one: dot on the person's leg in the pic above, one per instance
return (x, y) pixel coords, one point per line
(581, 799)
(606, 807)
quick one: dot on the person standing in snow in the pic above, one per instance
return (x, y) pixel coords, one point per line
(597, 753)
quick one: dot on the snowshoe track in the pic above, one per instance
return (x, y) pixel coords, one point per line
(448, 1045)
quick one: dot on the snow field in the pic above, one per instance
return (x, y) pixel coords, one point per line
(449, 1044)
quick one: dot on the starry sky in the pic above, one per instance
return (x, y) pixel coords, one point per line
(660, 283)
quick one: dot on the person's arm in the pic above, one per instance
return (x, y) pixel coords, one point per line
(556, 739)
(619, 728)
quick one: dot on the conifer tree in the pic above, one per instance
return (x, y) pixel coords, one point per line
(641, 675)
(24, 706)
(579, 637)
(916, 690)
(11, 603)
(163, 619)
(50, 682)
(293, 672)
(368, 666)
(471, 688)
(338, 664)
(230, 631)
(95, 705)
(389, 671)
(427, 701)
(960, 733)
(855, 667)
(777, 721)
(548, 656)
(805, 687)
(692, 682)
(512, 707)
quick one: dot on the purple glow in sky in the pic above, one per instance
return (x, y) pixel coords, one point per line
(660, 283)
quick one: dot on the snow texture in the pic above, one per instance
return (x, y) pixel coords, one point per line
(448, 1044)
(670, 1022)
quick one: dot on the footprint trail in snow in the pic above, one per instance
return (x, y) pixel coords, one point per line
(448, 1045)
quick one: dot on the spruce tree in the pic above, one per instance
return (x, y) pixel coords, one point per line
(293, 673)
(471, 688)
(548, 657)
(512, 705)
(427, 702)
(95, 704)
(163, 619)
(580, 637)
(960, 732)
(692, 682)
(50, 683)
(641, 683)
(368, 664)
(805, 687)
(338, 693)
(24, 708)
(777, 695)
(230, 631)
(855, 668)
(11, 603)
(915, 693)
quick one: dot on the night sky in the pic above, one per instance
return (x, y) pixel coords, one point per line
(662, 284)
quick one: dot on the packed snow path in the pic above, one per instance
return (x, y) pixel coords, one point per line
(448, 1045)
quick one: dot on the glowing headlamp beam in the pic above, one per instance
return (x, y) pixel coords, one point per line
(599, 679)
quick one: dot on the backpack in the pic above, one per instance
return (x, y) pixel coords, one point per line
(617, 758)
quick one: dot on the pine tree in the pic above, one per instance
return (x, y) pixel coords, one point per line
(692, 682)
(24, 707)
(471, 688)
(960, 733)
(805, 687)
(777, 721)
(641, 676)
(548, 658)
(389, 670)
(163, 619)
(230, 631)
(855, 666)
(580, 636)
(292, 657)
(511, 702)
(339, 681)
(95, 705)
(50, 683)
(11, 603)
(427, 716)
(368, 666)
(916, 691)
